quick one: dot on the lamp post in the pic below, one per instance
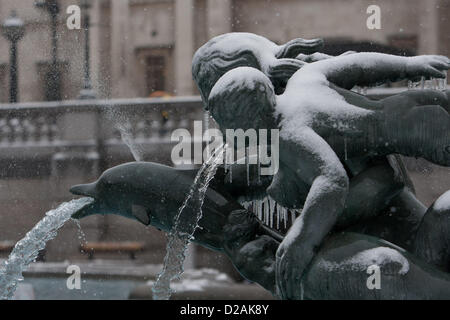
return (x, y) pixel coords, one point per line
(87, 92)
(53, 77)
(13, 29)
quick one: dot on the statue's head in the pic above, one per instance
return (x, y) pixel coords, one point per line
(244, 98)
(232, 50)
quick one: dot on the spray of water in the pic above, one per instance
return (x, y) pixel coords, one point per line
(123, 125)
(81, 235)
(127, 138)
(185, 226)
(27, 249)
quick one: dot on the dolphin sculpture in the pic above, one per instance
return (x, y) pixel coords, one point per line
(152, 194)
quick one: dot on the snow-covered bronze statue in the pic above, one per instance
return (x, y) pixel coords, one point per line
(317, 118)
(322, 124)
(336, 164)
(139, 191)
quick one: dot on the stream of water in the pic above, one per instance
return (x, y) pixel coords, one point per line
(26, 250)
(123, 124)
(184, 227)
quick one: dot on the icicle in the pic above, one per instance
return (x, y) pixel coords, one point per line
(275, 209)
(259, 167)
(364, 90)
(259, 209)
(271, 217)
(231, 173)
(442, 83)
(278, 220)
(345, 148)
(206, 120)
(266, 211)
(433, 83)
(272, 211)
(247, 163)
(263, 213)
(278, 208)
(293, 216)
(422, 83)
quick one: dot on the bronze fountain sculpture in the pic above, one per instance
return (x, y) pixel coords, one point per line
(338, 164)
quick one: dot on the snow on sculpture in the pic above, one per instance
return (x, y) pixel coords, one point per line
(336, 166)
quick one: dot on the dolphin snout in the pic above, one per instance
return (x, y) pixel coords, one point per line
(87, 190)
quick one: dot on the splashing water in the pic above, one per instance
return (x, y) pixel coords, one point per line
(123, 125)
(127, 138)
(185, 226)
(26, 250)
(81, 235)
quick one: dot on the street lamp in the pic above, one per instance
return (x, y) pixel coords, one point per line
(13, 29)
(53, 77)
(87, 92)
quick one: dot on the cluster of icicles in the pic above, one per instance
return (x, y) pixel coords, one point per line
(433, 84)
(422, 84)
(271, 213)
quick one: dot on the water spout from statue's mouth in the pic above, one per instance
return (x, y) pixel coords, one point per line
(86, 190)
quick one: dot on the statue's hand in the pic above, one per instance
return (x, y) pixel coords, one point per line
(291, 262)
(427, 66)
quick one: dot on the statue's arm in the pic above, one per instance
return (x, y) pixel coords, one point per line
(325, 202)
(370, 68)
(318, 56)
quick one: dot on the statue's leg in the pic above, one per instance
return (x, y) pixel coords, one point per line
(407, 223)
(355, 266)
(398, 222)
(347, 266)
(416, 124)
(370, 193)
(432, 241)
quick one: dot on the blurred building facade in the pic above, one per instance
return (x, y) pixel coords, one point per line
(139, 47)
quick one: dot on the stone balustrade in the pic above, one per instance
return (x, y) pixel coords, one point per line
(83, 129)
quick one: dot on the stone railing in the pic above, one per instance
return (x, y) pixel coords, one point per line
(54, 131)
